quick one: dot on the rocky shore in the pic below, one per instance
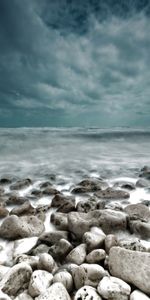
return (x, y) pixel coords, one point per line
(85, 243)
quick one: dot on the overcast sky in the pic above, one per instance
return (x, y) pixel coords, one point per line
(74, 63)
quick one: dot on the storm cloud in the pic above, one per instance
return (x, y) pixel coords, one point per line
(74, 63)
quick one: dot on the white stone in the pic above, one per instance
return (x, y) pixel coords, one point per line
(65, 278)
(88, 293)
(39, 282)
(94, 238)
(96, 256)
(138, 295)
(114, 288)
(24, 296)
(77, 255)
(47, 263)
(23, 246)
(54, 292)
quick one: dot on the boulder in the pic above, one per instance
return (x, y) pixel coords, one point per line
(3, 211)
(89, 205)
(25, 209)
(114, 288)
(39, 282)
(96, 256)
(111, 193)
(51, 238)
(87, 292)
(94, 238)
(60, 249)
(64, 203)
(54, 292)
(21, 184)
(60, 220)
(131, 266)
(77, 255)
(42, 248)
(15, 199)
(140, 228)
(14, 227)
(138, 212)
(15, 279)
(45, 184)
(89, 185)
(47, 263)
(65, 278)
(133, 244)
(138, 295)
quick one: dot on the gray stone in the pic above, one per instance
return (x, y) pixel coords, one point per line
(77, 255)
(54, 292)
(51, 238)
(89, 185)
(131, 266)
(133, 244)
(87, 292)
(111, 193)
(15, 279)
(94, 238)
(47, 263)
(24, 246)
(60, 220)
(39, 282)
(24, 296)
(138, 295)
(96, 256)
(28, 259)
(110, 241)
(60, 249)
(65, 278)
(114, 288)
(25, 209)
(138, 212)
(14, 227)
(21, 184)
(140, 228)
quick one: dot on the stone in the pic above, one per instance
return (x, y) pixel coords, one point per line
(24, 296)
(21, 184)
(125, 185)
(64, 204)
(142, 183)
(87, 292)
(51, 238)
(140, 228)
(4, 296)
(65, 278)
(15, 199)
(42, 248)
(90, 205)
(15, 279)
(60, 220)
(45, 185)
(3, 271)
(138, 295)
(89, 185)
(133, 244)
(39, 282)
(77, 255)
(111, 193)
(114, 288)
(138, 212)
(25, 209)
(28, 259)
(131, 266)
(60, 249)
(47, 263)
(50, 191)
(94, 238)
(24, 246)
(14, 227)
(96, 256)
(5, 180)
(3, 211)
(54, 292)
(110, 241)
(88, 274)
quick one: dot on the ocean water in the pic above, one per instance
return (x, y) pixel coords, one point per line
(71, 155)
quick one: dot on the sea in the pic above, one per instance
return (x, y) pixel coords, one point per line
(67, 155)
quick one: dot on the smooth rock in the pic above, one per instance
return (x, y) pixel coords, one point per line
(50, 191)
(111, 193)
(142, 183)
(42, 248)
(94, 238)
(110, 241)
(14, 227)
(47, 263)
(39, 282)
(114, 288)
(131, 266)
(24, 296)
(142, 229)
(61, 249)
(65, 278)
(90, 205)
(28, 259)
(51, 238)
(138, 295)
(3, 211)
(77, 255)
(133, 244)
(25, 209)
(60, 200)
(138, 212)
(96, 256)
(24, 246)
(60, 220)
(15, 279)
(89, 185)
(54, 292)
(87, 292)
(21, 184)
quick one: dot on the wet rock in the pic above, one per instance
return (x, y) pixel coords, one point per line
(39, 282)
(50, 191)
(131, 266)
(60, 220)
(140, 228)
(133, 244)
(25, 209)
(67, 202)
(46, 184)
(87, 292)
(54, 292)
(60, 249)
(125, 185)
(96, 256)
(21, 184)
(110, 241)
(138, 295)
(88, 274)
(3, 211)
(24, 246)
(66, 207)
(142, 183)
(138, 212)
(89, 185)
(5, 180)
(114, 288)
(15, 279)
(109, 221)
(111, 193)
(65, 278)
(51, 238)
(28, 259)
(94, 238)
(15, 199)
(145, 172)
(14, 227)
(89, 205)
(77, 255)
(24, 296)
(37, 193)
(47, 263)
(42, 248)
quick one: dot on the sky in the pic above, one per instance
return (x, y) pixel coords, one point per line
(82, 63)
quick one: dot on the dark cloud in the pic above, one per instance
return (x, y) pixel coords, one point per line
(72, 63)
